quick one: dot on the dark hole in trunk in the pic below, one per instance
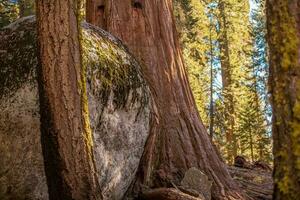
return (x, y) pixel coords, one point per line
(101, 8)
(137, 4)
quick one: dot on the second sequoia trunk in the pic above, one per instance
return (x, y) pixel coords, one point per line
(178, 139)
(65, 131)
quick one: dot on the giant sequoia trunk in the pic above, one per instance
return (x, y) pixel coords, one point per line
(283, 21)
(178, 139)
(66, 135)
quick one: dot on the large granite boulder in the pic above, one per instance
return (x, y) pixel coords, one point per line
(119, 107)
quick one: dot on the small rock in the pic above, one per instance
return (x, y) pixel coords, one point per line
(196, 180)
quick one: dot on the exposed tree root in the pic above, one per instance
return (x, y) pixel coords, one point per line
(258, 184)
(167, 194)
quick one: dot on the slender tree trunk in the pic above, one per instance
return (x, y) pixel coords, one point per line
(66, 136)
(227, 83)
(21, 8)
(260, 140)
(251, 147)
(283, 23)
(178, 139)
(211, 106)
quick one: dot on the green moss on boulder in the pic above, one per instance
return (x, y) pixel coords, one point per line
(119, 109)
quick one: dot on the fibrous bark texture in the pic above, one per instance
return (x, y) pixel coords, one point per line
(65, 128)
(119, 112)
(283, 23)
(256, 182)
(178, 139)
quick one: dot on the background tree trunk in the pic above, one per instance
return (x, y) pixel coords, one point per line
(226, 71)
(26, 7)
(178, 139)
(211, 103)
(66, 135)
(283, 21)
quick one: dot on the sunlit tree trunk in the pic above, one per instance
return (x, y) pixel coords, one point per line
(211, 104)
(226, 72)
(283, 23)
(66, 135)
(251, 146)
(178, 139)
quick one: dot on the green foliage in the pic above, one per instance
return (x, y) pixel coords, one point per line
(242, 106)
(26, 7)
(248, 85)
(253, 137)
(9, 12)
(193, 26)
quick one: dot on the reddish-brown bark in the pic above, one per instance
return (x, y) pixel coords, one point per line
(66, 139)
(178, 139)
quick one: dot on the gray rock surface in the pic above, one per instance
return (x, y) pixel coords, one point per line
(195, 180)
(119, 107)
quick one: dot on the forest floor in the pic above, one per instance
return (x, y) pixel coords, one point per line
(256, 182)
